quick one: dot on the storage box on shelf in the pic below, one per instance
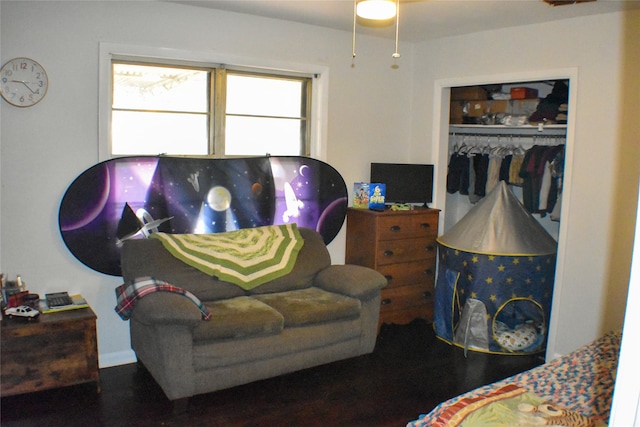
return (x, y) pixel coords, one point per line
(523, 93)
(468, 93)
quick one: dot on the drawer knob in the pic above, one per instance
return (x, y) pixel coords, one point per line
(388, 253)
(426, 295)
(389, 277)
(386, 301)
(394, 228)
(428, 272)
(425, 225)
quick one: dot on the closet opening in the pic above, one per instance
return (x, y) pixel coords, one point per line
(493, 130)
(505, 116)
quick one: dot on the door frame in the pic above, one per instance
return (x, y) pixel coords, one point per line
(440, 151)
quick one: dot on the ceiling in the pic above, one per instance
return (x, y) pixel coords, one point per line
(420, 20)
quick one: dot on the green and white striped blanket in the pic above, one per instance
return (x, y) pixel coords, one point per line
(248, 257)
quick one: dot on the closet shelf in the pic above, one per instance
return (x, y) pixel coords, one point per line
(554, 126)
(527, 130)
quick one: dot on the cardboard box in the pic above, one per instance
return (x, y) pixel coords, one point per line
(523, 106)
(480, 108)
(468, 93)
(523, 93)
(456, 113)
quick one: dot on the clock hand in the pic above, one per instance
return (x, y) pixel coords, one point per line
(24, 83)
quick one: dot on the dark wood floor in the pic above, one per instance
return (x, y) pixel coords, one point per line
(409, 372)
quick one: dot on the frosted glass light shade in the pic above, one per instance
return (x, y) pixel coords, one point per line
(376, 9)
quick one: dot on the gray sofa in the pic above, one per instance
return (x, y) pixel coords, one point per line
(316, 314)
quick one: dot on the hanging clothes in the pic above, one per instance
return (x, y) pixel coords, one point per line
(536, 161)
(475, 169)
(458, 174)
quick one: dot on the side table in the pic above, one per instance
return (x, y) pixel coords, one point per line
(53, 350)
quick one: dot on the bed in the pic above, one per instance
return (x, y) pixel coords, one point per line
(572, 390)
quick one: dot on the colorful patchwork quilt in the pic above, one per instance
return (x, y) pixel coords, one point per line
(572, 390)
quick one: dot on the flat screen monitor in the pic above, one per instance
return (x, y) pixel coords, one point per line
(406, 183)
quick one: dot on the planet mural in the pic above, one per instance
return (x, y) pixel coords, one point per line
(132, 197)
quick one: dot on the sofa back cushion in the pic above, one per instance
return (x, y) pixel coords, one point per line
(148, 257)
(312, 258)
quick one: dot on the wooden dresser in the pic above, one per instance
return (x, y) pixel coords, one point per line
(402, 246)
(54, 350)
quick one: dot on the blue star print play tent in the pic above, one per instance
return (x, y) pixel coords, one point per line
(495, 278)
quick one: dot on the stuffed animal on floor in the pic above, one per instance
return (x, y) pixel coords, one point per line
(522, 337)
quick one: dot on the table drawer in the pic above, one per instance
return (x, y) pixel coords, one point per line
(404, 250)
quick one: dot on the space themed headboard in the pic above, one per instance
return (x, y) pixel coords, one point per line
(131, 197)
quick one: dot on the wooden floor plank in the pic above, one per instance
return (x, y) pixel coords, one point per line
(409, 373)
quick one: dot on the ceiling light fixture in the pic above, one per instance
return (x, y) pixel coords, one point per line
(378, 10)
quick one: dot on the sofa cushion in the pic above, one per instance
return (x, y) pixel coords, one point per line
(238, 318)
(248, 257)
(147, 257)
(311, 305)
(262, 353)
(312, 258)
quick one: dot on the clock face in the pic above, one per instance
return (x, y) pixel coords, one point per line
(23, 82)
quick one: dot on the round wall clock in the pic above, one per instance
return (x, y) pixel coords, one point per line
(23, 82)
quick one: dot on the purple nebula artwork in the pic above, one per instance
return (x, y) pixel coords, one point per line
(132, 197)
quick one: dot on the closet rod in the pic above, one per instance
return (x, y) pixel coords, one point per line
(505, 139)
(504, 135)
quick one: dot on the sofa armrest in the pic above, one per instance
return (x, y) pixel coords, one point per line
(162, 308)
(351, 280)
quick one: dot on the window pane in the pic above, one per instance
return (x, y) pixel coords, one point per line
(253, 136)
(157, 133)
(143, 87)
(263, 96)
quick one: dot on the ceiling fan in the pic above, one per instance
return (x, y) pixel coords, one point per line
(565, 2)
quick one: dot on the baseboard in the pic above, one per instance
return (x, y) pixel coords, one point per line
(115, 359)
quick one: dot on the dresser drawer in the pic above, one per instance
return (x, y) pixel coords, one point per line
(409, 273)
(403, 250)
(405, 297)
(409, 226)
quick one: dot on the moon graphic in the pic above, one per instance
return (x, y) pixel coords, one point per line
(87, 203)
(219, 198)
(303, 169)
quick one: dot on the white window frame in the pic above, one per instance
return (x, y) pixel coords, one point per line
(319, 96)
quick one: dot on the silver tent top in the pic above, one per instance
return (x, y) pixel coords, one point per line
(499, 225)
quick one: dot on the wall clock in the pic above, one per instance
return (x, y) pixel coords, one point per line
(23, 82)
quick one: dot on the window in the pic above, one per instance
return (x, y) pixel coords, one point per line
(207, 111)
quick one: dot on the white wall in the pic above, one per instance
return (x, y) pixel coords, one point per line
(593, 276)
(45, 147)
(375, 113)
